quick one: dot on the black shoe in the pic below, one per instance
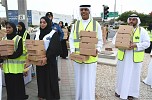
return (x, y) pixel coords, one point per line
(130, 97)
(117, 95)
(59, 79)
(26, 97)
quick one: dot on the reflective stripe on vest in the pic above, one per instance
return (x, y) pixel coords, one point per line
(24, 55)
(150, 35)
(92, 26)
(14, 65)
(138, 56)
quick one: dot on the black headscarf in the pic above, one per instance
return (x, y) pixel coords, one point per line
(150, 27)
(62, 24)
(13, 34)
(47, 29)
(21, 33)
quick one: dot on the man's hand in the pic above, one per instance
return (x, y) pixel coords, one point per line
(96, 53)
(44, 61)
(132, 46)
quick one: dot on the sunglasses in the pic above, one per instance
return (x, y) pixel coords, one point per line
(85, 9)
(133, 19)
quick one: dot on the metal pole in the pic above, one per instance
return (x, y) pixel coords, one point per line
(114, 11)
(6, 9)
(22, 12)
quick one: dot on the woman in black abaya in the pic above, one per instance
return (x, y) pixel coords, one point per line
(47, 75)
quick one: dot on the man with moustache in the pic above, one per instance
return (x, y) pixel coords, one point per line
(85, 72)
(130, 61)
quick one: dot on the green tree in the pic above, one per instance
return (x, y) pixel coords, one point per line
(146, 19)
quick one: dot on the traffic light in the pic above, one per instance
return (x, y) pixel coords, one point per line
(105, 12)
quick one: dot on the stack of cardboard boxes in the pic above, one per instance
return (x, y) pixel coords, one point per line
(65, 33)
(6, 47)
(124, 37)
(87, 46)
(88, 43)
(36, 51)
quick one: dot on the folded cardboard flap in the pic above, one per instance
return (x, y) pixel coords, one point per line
(78, 57)
(89, 40)
(92, 34)
(125, 29)
(88, 52)
(87, 45)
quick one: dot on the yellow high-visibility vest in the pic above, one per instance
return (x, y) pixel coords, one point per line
(14, 65)
(92, 26)
(24, 55)
(138, 56)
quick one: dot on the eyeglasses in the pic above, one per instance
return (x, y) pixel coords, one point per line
(133, 19)
(85, 9)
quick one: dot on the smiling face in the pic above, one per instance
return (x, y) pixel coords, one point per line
(43, 23)
(9, 29)
(84, 13)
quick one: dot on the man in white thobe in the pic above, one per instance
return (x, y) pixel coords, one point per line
(85, 74)
(128, 71)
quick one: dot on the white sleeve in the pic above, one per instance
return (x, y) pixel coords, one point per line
(37, 35)
(71, 40)
(144, 40)
(100, 41)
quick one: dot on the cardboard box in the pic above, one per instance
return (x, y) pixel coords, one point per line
(87, 45)
(34, 42)
(65, 30)
(88, 52)
(6, 52)
(3, 32)
(78, 57)
(36, 58)
(125, 29)
(7, 42)
(29, 42)
(35, 47)
(38, 42)
(39, 63)
(89, 40)
(122, 45)
(6, 47)
(36, 52)
(88, 34)
(124, 37)
(119, 35)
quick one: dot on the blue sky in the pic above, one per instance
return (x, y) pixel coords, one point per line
(70, 7)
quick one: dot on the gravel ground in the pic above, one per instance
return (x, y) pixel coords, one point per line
(106, 79)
